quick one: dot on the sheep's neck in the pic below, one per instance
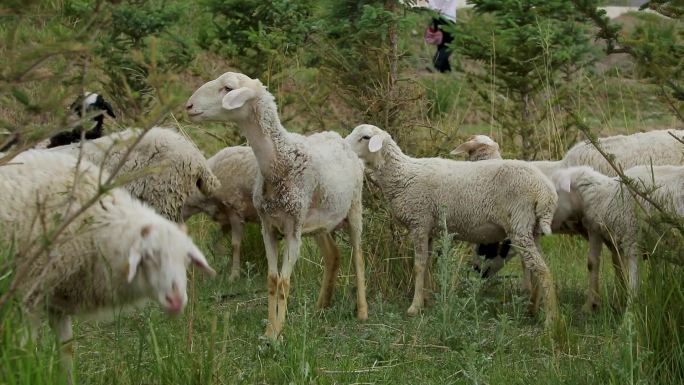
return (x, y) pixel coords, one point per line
(393, 174)
(266, 136)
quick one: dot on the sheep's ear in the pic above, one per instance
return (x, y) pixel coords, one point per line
(237, 98)
(134, 259)
(375, 143)
(135, 256)
(462, 148)
(197, 259)
(108, 108)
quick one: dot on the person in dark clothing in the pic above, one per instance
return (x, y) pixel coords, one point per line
(441, 58)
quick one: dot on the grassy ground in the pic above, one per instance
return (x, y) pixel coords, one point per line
(473, 332)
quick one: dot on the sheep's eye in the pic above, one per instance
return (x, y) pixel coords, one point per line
(227, 89)
(365, 137)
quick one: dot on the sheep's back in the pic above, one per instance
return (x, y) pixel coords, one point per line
(471, 194)
(644, 148)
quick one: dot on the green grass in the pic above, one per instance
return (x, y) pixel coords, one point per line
(474, 332)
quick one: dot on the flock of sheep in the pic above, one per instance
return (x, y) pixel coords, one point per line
(114, 251)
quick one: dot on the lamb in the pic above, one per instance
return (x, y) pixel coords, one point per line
(655, 148)
(305, 185)
(231, 204)
(117, 253)
(608, 213)
(484, 202)
(172, 166)
(482, 147)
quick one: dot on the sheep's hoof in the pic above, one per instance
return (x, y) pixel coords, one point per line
(270, 333)
(234, 276)
(413, 311)
(323, 303)
(362, 314)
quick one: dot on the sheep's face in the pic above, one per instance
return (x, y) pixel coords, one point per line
(569, 200)
(226, 98)
(367, 141)
(159, 260)
(478, 147)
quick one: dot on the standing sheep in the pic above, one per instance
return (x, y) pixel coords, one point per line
(484, 202)
(305, 185)
(115, 254)
(609, 212)
(231, 204)
(655, 148)
(165, 167)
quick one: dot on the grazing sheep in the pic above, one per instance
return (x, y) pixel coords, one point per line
(482, 147)
(305, 185)
(231, 204)
(166, 168)
(117, 253)
(654, 147)
(664, 183)
(495, 255)
(644, 148)
(608, 213)
(484, 202)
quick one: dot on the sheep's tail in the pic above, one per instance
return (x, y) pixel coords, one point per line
(208, 182)
(546, 207)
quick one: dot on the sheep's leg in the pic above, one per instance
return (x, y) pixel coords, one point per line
(294, 242)
(421, 241)
(526, 280)
(236, 228)
(541, 278)
(331, 259)
(620, 278)
(593, 265)
(429, 285)
(61, 325)
(355, 229)
(271, 246)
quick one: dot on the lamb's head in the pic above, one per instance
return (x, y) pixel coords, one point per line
(226, 98)
(95, 105)
(478, 147)
(368, 142)
(569, 199)
(158, 260)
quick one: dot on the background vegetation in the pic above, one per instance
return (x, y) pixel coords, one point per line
(528, 73)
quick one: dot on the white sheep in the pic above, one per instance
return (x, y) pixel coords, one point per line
(165, 168)
(483, 202)
(482, 147)
(117, 253)
(610, 214)
(655, 148)
(305, 185)
(231, 204)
